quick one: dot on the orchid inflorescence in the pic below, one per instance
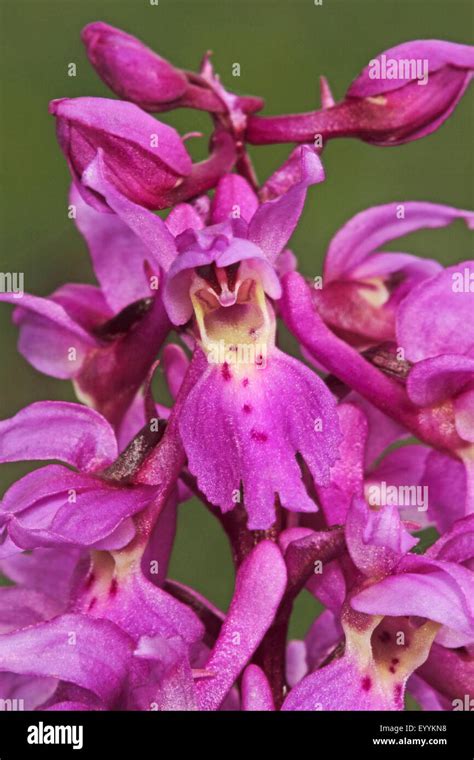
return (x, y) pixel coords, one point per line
(320, 473)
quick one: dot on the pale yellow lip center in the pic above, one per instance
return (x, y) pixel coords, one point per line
(237, 316)
(377, 293)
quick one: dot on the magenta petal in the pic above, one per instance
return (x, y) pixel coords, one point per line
(160, 613)
(118, 255)
(30, 692)
(166, 684)
(404, 465)
(446, 481)
(347, 473)
(183, 217)
(355, 244)
(148, 227)
(259, 587)
(54, 506)
(21, 607)
(160, 544)
(175, 365)
(329, 586)
(388, 111)
(451, 675)
(376, 540)
(296, 666)
(434, 380)
(49, 571)
(341, 685)
(441, 330)
(382, 430)
(322, 638)
(93, 654)
(385, 263)
(256, 691)
(70, 706)
(441, 592)
(427, 697)
(47, 334)
(457, 544)
(403, 468)
(233, 199)
(58, 430)
(300, 316)
(273, 224)
(234, 431)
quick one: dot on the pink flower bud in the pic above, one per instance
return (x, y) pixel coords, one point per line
(144, 158)
(130, 69)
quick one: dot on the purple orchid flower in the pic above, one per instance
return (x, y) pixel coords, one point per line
(362, 287)
(383, 644)
(151, 672)
(223, 276)
(381, 579)
(106, 339)
(55, 506)
(385, 387)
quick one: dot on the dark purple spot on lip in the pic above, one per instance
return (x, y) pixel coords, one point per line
(398, 692)
(247, 408)
(113, 587)
(366, 683)
(91, 603)
(392, 669)
(395, 661)
(245, 382)
(226, 374)
(257, 435)
(384, 637)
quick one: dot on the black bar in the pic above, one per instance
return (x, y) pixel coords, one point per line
(381, 734)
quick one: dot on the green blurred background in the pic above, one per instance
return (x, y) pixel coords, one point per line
(282, 48)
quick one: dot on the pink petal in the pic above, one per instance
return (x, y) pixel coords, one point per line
(274, 222)
(58, 430)
(441, 330)
(434, 380)
(47, 335)
(93, 654)
(355, 244)
(347, 473)
(260, 585)
(376, 540)
(118, 255)
(243, 428)
(148, 227)
(234, 198)
(256, 691)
